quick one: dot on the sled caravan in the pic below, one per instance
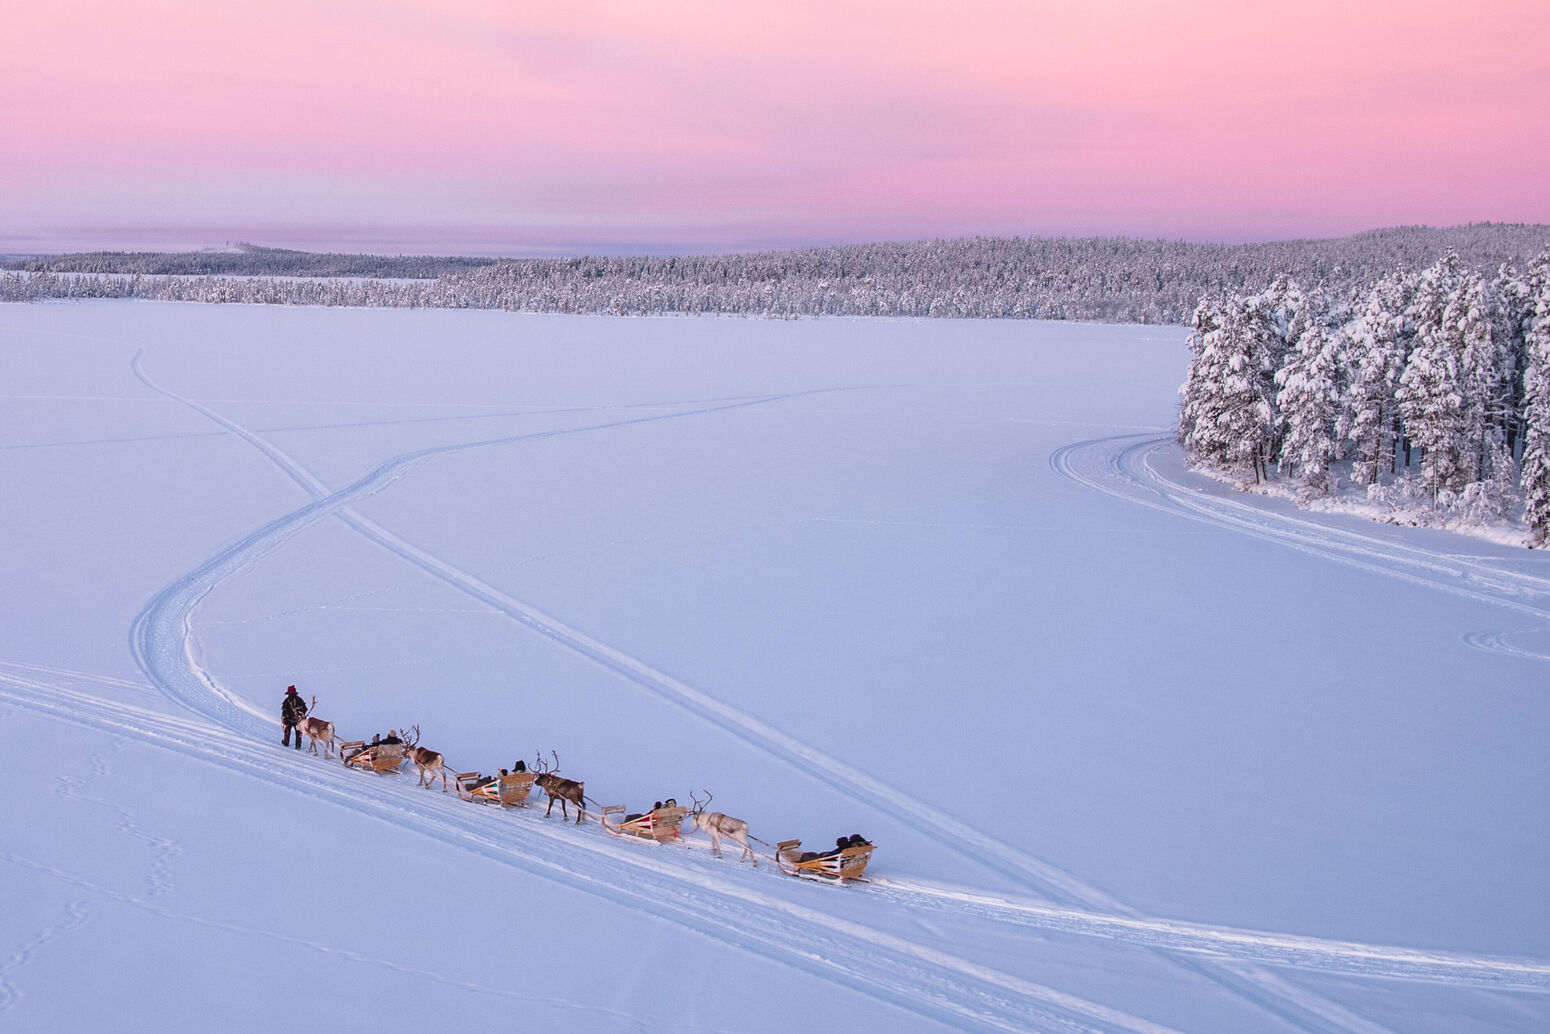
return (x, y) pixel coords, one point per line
(662, 823)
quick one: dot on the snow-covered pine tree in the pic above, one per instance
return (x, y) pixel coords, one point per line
(1485, 370)
(1536, 418)
(1281, 312)
(1309, 402)
(1501, 481)
(1378, 340)
(1515, 294)
(1228, 415)
(1247, 424)
(1202, 383)
(1512, 301)
(1431, 390)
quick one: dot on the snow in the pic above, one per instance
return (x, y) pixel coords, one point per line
(1139, 752)
(1396, 499)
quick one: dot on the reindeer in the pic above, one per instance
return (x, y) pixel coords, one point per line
(560, 789)
(718, 826)
(430, 763)
(316, 729)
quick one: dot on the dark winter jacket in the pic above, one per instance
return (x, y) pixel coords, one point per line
(293, 709)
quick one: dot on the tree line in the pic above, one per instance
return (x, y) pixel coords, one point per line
(1435, 385)
(249, 260)
(1100, 279)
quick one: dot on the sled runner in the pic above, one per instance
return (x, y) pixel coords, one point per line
(383, 758)
(657, 824)
(509, 791)
(840, 864)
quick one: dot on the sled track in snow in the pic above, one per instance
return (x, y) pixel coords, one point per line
(1347, 958)
(162, 641)
(1502, 642)
(704, 895)
(643, 875)
(159, 629)
(164, 647)
(1121, 467)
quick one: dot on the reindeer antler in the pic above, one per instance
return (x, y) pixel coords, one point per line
(412, 739)
(698, 807)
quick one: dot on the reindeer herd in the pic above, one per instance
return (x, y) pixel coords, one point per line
(846, 862)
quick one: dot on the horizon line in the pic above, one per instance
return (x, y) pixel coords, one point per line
(386, 243)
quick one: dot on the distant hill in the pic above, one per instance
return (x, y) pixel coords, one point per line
(1110, 279)
(247, 260)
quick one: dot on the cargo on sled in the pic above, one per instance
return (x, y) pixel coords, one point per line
(659, 824)
(846, 861)
(509, 789)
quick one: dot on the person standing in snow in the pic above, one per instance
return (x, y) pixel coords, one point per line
(292, 710)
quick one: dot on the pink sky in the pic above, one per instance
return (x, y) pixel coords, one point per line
(517, 126)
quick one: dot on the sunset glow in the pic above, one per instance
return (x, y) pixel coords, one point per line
(477, 125)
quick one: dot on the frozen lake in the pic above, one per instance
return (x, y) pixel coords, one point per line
(1139, 753)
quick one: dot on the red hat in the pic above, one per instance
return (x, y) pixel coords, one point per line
(290, 689)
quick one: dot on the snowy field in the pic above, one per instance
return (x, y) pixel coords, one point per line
(1139, 753)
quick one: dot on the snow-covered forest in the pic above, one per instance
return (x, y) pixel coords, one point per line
(1100, 279)
(248, 260)
(1435, 386)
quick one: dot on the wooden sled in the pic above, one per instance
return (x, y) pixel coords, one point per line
(658, 824)
(509, 791)
(839, 866)
(382, 759)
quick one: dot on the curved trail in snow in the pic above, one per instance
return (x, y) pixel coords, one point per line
(164, 645)
(873, 961)
(1121, 467)
(162, 641)
(164, 626)
(1502, 642)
